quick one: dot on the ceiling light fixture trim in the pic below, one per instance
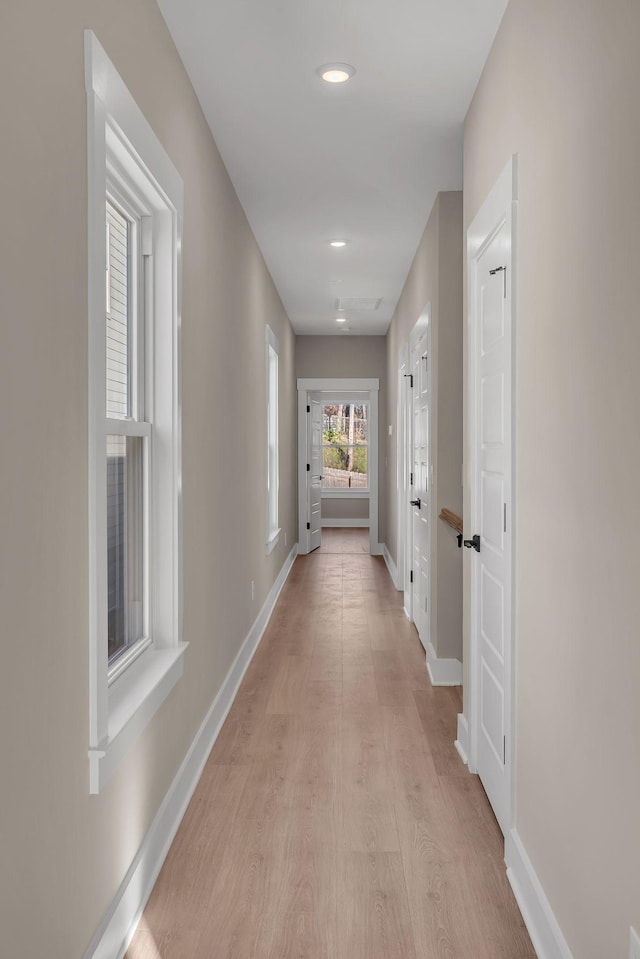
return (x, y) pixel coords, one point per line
(336, 72)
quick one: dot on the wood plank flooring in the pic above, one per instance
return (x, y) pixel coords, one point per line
(334, 818)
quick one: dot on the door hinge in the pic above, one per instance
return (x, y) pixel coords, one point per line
(409, 376)
(411, 576)
(308, 467)
(503, 270)
(308, 525)
(411, 475)
(308, 409)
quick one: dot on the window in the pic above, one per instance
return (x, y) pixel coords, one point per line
(127, 452)
(135, 215)
(273, 530)
(345, 433)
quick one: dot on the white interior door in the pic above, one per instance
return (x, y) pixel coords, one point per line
(421, 485)
(491, 488)
(314, 476)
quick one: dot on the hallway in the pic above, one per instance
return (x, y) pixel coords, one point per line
(334, 819)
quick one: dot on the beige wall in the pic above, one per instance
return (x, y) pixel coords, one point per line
(337, 508)
(65, 853)
(435, 277)
(358, 357)
(561, 89)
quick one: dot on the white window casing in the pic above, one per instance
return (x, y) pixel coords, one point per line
(272, 350)
(126, 159)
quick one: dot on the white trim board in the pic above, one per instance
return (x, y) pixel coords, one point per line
(116, 930)
(391, 566)
(329, 521)
(544, 930)
(443, 672)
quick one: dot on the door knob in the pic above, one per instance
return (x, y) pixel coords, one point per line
(414, 502)
(473, 543)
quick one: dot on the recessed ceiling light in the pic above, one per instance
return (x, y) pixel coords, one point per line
(338, 243)
(341, 319)
(336, 72)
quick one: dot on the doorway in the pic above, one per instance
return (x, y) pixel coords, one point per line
(337, 455)
(490, 259)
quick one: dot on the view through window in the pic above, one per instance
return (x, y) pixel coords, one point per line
(345, 438)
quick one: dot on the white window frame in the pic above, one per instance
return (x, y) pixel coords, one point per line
(272, 354)
(353, 399)
(123, 150)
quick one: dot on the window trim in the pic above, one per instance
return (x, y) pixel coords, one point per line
(122, 144)
(273, 529)
(358, 492)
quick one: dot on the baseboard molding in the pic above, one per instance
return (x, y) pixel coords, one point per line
(546, 935)
(462, 742)
(391, 566)
(119, 924)
(344, 522)
(443, 672)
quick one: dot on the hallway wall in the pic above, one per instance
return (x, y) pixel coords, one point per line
(435, 277)
(65, 852)
(358, 357)
(560, 88)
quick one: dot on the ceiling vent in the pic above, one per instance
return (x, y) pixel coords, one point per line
(352, 303)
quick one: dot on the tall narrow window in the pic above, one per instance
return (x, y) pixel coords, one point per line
(345, 446)
(273, 529)
(127, 436)
(135, 203)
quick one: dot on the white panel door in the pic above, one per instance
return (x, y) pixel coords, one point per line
(421, 489)
(491, 508)
(314, 475)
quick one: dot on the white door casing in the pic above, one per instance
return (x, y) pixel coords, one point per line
(365, 390)
(490, 250)
(314, 475)
(420, 367)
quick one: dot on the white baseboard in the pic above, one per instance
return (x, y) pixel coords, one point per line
(546, 935)
(391, 566)
(344, 522)
(443, 672)
(119, 924)
(462, 742)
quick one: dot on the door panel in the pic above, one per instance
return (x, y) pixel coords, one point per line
(419, 363)
(491, 573)
(315, 474)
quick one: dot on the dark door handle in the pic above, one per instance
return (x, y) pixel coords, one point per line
(473, 543)
(414, 502)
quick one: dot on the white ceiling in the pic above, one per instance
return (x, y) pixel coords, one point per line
(313, 161)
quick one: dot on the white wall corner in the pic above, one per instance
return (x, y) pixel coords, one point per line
(462, 742)
(443, 672)
(544, 930)
(391, 566)
(116, 930)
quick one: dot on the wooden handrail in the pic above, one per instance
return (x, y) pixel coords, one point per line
(452, 520)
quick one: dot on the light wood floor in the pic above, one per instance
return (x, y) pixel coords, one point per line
(334, 818)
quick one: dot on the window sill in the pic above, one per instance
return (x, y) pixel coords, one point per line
(134, 698)
(345, 494)
(272, 542)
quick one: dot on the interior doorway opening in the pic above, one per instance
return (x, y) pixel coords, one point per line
(337, 459)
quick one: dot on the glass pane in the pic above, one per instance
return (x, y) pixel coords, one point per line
(345, 423)
(344, 467)
(125, 542)
(117, 316)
